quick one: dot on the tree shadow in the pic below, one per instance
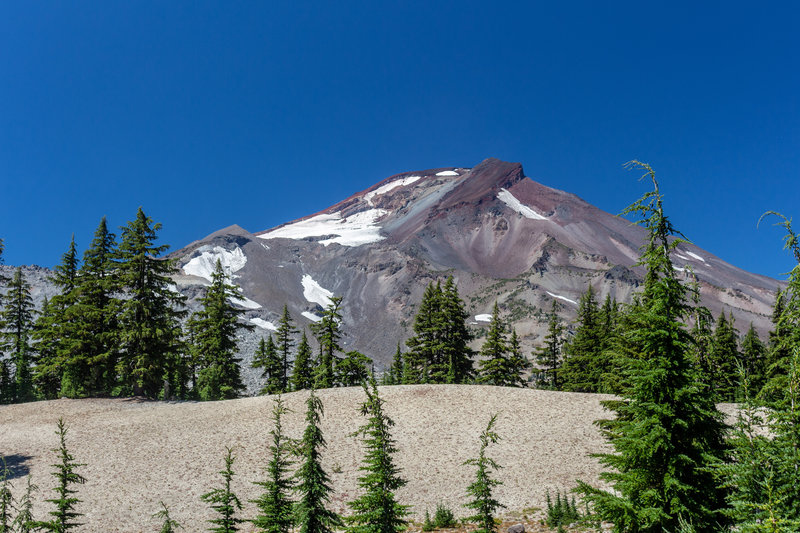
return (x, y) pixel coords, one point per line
(16, 465)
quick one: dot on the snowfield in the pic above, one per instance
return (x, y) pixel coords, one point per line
(511, 201)
(483, 318)
(315, 293)
(311, 316)
(247, 303)
(561, 297)
(383, 189)
(355, 230)
(263, 324)
(204, 264)
(692, 254)
(447, 173)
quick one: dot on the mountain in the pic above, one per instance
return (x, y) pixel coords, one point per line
(502, 236)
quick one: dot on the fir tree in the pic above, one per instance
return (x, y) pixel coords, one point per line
(6, 499)
(48, 369)
(224, 501)
(267, 358)
(285, 343)
(328, 335)
(65, 514)
(302, 374)
(494, 367)
(584, 362)
(313, 483)
(424, 346)
(725, 357)
(456, 351)
(667, 431)
(149, 317)
(394, 375)
(702, 335)
(377, 509)
(17, 319)
(214, 328)
(483, 503)
(275, 507)
(517, 363)
(548, 356)
(168, 525)
(24, 522)
(754, 360)
(352, 369)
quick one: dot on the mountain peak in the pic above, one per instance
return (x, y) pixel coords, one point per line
(483, 182)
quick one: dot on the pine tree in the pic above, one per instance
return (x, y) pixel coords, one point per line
(518, 364)
(352, 369)
(285, 343)
(584, 362)
(224, 501)
(754, 360)
(377, 509)
(6, 499)
(275, 507)
(48, 369)
(302, 374)
(483, 503)
(725, 358)
(65, 514)
(548, 356)
(328, 335)
(24, 522)
(702, 335)
(267, 358)
(214, 329)
(494, 367)
(667, 431)
(149, 316)
(394, 375)
(168, 525)
(456, 352)
(424, 346)
(313, 484)
(17, 319)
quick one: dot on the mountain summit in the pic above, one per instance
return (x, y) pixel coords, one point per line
(503, 236)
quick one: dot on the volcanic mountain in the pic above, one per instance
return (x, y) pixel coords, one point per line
(501, 235)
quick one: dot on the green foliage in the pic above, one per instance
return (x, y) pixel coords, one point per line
(439, 351)
(483, 503)
(667, 431)
(275, 507)
(548, 356)
(394, 375)
(428, 524)
(6, 499)
(24, 522)
(725, 358)
(224, 501)
(494, 367)
(377, 509)
(328, 335)
(302, 374)
(267, 358)
(562, 512)
(313, 483)
(283, 336)
(585, 360)
(754, 360)
(16, 321)
(168, 525)
(353, 369)
(149, 317)
(444, 516)
(65, 514)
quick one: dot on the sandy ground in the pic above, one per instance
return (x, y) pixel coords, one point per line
(138, 453)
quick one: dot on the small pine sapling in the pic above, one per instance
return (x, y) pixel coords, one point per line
(65, 514)
(483, 503)
(24, 522)
(224, 501)
(168, 525)
(6, 499)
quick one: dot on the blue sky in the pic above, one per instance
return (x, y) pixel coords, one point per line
(256, 113)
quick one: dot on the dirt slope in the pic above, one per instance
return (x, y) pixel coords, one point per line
(139, 453)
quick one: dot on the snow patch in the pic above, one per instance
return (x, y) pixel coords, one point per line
(204, 264)
(247, 303)
(511, 201)
(315, 293)
(354, 230)
(447, 173)
(561, 298)
(311, 316)
(695, 256)
(483, 318)
(260, 322)
(383, 189)
(679, 256)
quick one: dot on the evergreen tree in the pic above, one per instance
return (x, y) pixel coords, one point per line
(6, 499)
(702, 335)
(780, 339)
(456, 351)
(394, 375)
(267, 358)
(48, 369)
(285, 343)
(149, 316)
(424, 346)
(548, 356)
(754, 360)
(517, 363)
(224, 501)
(65, 514)
(24, 522)
(377, 509)
(302, 374)
(328, 335)
(313, 483)
(667, 431)
(17, 320)
(584, 362)
(275, 507)
(168, 525)
(725, 358)
(352, 369)
(483, 503)
(214, 329)
(494, 368)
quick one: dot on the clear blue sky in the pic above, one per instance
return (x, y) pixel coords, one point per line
(255, 113)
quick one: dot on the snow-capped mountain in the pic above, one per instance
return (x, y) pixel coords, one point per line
(501, 235)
